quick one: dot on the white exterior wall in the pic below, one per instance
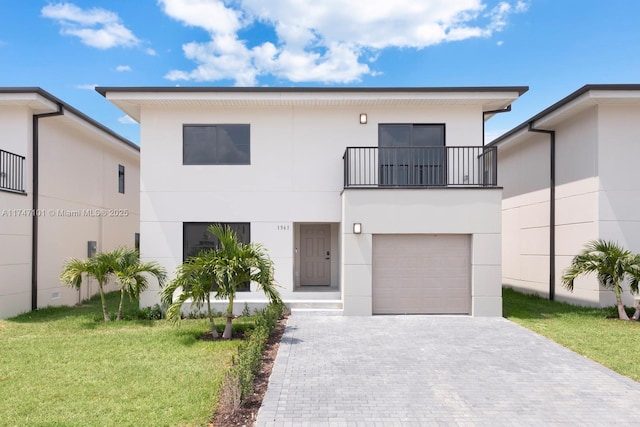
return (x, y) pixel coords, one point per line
(597, 196)
(295, 176)
(15, 229)
(78, 171)
(440, 211)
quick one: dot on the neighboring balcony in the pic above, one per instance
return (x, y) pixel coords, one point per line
(420, 167)
(11, 172)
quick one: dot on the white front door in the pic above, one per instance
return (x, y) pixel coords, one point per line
(315, 254)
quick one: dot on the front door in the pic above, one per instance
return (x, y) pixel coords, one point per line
(315, 254)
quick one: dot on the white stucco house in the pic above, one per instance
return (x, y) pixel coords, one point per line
(369, 200)
(569, 176)
(68, 186)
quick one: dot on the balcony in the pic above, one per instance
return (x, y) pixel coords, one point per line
(420, 167)
(11, 172)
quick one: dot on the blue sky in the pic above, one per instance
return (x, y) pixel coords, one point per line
(552, 46)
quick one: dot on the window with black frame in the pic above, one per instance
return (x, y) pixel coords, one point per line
(216, 144)
(198, 238)
(412, 154)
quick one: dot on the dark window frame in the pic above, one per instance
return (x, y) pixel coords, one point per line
(401, 166)
(212, 239)
(215, 157)
(121, 178)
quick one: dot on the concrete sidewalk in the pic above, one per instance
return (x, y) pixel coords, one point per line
(437, 370)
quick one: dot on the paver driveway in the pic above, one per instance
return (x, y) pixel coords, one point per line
(437, 370)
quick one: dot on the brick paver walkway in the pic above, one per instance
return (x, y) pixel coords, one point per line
(437, 370)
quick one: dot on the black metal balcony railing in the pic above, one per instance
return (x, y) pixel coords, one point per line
(11, 172)
(420, 167)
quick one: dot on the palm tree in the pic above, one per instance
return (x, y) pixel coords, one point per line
(101, 267)
(222, 270)
(131, 274)
(611, 263)
(196, 280)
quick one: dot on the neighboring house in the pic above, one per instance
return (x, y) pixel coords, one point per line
(369, 200)
(572, 170)
(68, 186)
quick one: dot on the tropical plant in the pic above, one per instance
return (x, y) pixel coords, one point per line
(100, 267)
(132, 275)
(196, 281)
(612, 265)
(123, 264)
(223, 270)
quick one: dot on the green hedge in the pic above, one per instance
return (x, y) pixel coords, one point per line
(238, 382)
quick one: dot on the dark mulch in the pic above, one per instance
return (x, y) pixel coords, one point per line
(247, 413)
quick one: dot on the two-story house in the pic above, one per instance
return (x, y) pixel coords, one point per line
(369, 200)
(68, 187)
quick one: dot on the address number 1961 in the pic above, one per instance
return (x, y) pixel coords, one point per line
(283, 227)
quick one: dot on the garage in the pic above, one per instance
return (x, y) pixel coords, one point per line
(421, 274)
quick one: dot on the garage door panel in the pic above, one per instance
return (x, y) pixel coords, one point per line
(421, 274)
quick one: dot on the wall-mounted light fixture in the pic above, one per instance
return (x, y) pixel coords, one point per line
(357, 228)
(363, 118)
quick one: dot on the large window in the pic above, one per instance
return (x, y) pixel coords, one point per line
(197, 238)
(216, 145)
(412, 154)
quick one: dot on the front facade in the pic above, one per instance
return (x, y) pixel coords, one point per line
(369, 201)
(569, 176)
(68, 187)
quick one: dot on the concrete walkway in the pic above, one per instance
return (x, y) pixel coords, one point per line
(437, 370)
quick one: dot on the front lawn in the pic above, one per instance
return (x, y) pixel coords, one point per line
(64, 366)
(611, 342)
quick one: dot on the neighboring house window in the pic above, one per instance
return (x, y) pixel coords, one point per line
(136, 241)
(216, 145)
(198, 238)
(121, 179)
(412, 154)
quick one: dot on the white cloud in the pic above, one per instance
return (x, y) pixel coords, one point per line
(500, 42)
(150, 52)
(122, 68)
(126, 120)
(95, 27)
(86, 86)
(333, 41)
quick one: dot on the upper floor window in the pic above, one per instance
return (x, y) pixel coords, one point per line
(412, 154)
(216, 145)
(120, 179)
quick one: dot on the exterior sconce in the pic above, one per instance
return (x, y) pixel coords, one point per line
(357, 228)
(363, 118)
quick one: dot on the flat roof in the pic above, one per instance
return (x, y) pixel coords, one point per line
(66, 106)
(564, 101)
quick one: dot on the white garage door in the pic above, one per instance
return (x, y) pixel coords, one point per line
(421, 274)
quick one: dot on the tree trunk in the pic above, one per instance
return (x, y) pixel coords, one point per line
(121, 306)
(636, 315)
(622, 314)
(214, 331)
(228, 327)
(105, 312)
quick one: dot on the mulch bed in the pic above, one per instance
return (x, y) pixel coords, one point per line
(248, 412)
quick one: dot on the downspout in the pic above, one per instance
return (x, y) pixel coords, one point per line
(552, 207)
(35, 205)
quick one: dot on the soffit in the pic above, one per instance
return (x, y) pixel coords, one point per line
(34, 101)
(131, 102)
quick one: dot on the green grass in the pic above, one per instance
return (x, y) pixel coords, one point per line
(63, 366)
(611, 342)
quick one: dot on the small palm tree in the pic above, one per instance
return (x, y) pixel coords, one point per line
(611, 263)
(100, 267)
(222, 270)
(196, 280)
(131, 274)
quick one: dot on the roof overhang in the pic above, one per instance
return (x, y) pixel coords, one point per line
(131, 100)
(27, 97)
(584, 98)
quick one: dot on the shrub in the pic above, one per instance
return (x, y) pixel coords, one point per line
(238, 383)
